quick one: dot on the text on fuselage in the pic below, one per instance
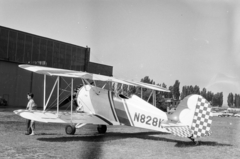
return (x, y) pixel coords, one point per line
(147, 119)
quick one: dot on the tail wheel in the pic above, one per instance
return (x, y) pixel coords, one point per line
(70, 129)
(193, 140)
(102, 129)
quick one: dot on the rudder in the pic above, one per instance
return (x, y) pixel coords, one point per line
(201, 124)
(193, 115)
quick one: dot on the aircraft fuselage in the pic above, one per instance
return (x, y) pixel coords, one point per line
(117, 109)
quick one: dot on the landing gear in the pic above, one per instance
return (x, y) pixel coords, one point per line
(70, 129)
(102, 129)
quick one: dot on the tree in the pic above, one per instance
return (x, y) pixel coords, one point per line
(217, 99)
(184, 92)
(164, 85)
(230, 100)
(196, 90)
(220, 99)
(204, 92)
(209, 96)
(170, 94)
(146, 79)
(237, 100)
(132, 90)
(146, 92)
(176, 92)
(190, 90)
(161, 104)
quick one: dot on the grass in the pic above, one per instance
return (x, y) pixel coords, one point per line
(51, 141)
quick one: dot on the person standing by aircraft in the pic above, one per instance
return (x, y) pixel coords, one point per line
(31, 106)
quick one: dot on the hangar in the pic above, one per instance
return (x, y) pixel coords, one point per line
(18, 47)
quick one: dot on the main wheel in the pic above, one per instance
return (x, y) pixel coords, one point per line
(70, 129)
(102, 129)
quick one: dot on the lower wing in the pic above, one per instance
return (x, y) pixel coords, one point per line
(63, 117)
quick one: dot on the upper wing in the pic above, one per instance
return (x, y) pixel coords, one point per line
(150, 86)
(85, 75)
(69, 73)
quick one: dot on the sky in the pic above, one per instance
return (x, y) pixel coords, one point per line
(193, 41)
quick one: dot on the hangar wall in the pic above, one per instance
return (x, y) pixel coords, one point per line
(17, 47)
(100, 69)
(15, 83)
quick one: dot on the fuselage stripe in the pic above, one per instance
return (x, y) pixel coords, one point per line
(111, 105)
(128, 113)
(121, 112)
(105, 120)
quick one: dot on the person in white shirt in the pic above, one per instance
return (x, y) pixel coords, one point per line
(31, 106)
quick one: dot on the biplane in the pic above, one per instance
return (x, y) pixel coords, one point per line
(104, 107)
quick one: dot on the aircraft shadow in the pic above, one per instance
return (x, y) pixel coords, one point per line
(99, 137)
(46, 134)
(201, 143)
(142, 135)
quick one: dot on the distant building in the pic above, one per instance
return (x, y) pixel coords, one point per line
(17, 47)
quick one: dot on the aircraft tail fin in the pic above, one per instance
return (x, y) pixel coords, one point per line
(194, 112)
(201, 124)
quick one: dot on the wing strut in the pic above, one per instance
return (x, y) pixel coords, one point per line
(104, 86)
(150, 96)
(57, 95)
(45, 104)
(44, 92)
(71, 98)
(154, 98)
(153, 93)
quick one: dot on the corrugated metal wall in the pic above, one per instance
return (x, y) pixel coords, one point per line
(100, 69)
(15, 83)
(17, 47)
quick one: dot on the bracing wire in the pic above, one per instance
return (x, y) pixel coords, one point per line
(54, 103)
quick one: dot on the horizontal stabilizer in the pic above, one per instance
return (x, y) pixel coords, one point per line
(181, 131)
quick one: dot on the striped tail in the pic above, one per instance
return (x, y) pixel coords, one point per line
(195, 113)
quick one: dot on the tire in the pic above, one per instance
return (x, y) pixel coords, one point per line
(70, 129)
(102, 129)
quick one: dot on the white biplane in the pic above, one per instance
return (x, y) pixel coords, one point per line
(102, 107)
